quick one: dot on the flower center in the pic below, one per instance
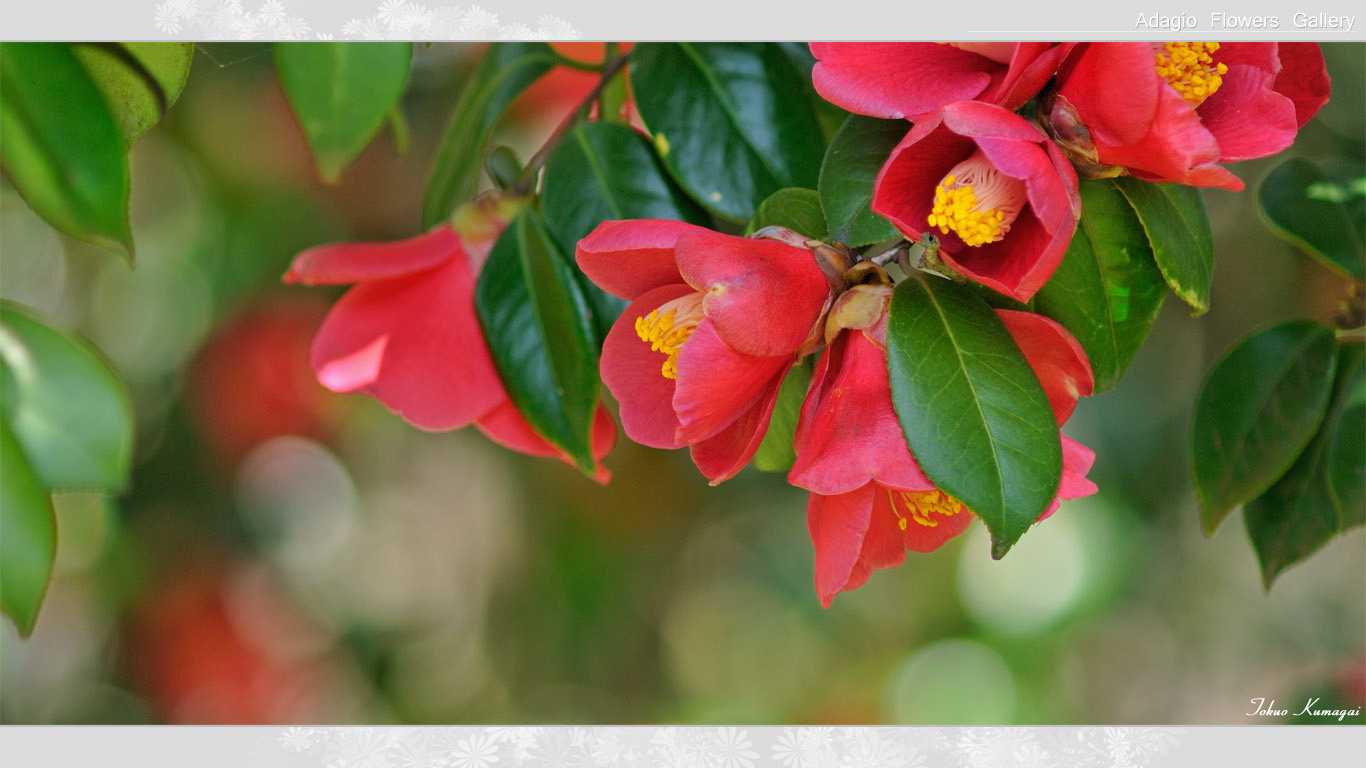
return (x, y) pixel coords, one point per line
(977, 202)
(668, 327)
(1190, 69)
(922, 506)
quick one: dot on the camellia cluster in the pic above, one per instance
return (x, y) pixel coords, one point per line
(989, 166)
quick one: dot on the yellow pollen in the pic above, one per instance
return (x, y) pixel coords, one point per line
(977, 202)
(921, 506)
(1191, 69)
(667, 328)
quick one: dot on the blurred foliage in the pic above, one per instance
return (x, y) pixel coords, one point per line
(285, 554)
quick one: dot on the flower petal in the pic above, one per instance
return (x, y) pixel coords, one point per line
(1076, 462)
(716, 384)
(763, 296)
(506, 426)
(882, 545)
(1177, 148)
(1247, 118)
(415, 345)
(721, 456)
(346, 263)
(897, 80)
(847, 434)
(925, 538)
(631, 371)
(1115, 88)
(628, 258)
(1056, 357)
(838, 524)
(1303, 79)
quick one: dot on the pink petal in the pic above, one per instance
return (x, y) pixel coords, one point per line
(414, 344)
(1303, 79)
(882, 545)
(721, 456)
(763, 296)
(904, 190)
(631, 371)
(837, 525)
(1115, 88)
(1176, 144)
(1031, 66)
(924, 538)
(1056, 357)
(988, 121)
(1076, 462)
(628, 258)
(1247, 118)
(847, 434)
(506, 426)
(897, 80)
(716, 384)
(346, 263)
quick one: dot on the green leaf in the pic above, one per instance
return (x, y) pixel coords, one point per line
(606, 172)
(797, 209)
(1257, 411)
(731, 121)
(1107, 291)
(1299, 514)
(777, 452)
(140, 81)
(1305, 207)
(61, 146)
(1346, 459)
(852, 162)
(540, 334)
(65, 405)
(1174, 218)
(974, 413)
(29, 544)
(505, 71)
(342, 93)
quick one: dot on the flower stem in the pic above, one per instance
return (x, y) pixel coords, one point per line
(533, 166)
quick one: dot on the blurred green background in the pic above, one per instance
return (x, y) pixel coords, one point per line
(289, 555)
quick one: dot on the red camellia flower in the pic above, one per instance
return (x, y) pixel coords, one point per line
(408, 336)
(907, 80)
(870, 501)
(1002, 197)
(714, 324)
(1173, 111)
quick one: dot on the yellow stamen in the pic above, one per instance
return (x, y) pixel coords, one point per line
(668, 327)
(921, 506)
(977, 202)
(1190, 69)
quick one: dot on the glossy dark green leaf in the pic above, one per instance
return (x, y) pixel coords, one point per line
(1107, 291)
(605, 172)
(731, 121)
(1257, 411)
(1305, 207)
(540, 333)
(851, 165)
(1346, 459)
(974, 413)
(1299, 514)
(777, 453)
(29, 544)
(342, 93)
(60, 144)
(67, 408)
(503, 73)
(797, 209)
(1174, 218)
(140, 81)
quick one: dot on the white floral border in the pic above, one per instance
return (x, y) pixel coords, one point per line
(727, 747)
(392, 20)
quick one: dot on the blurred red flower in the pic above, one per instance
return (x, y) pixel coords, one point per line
(408, 336)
